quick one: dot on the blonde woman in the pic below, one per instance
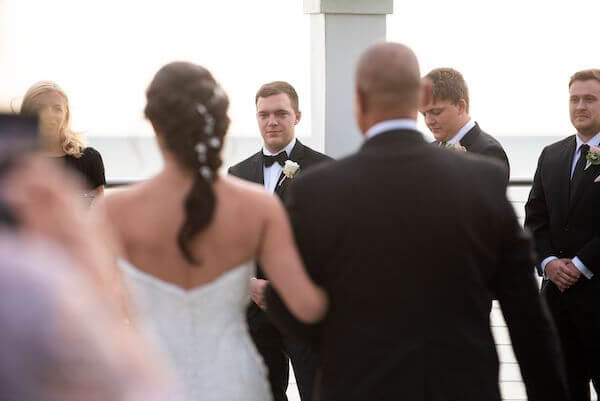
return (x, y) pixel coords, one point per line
(51, 104)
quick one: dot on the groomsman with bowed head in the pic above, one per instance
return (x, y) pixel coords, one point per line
(410, 241)
(281, 159)
(563, 213)
(447, 117)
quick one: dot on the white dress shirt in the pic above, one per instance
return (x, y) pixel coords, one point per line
(271, 174)
(595, 141)
(390, 125)
(462, 132)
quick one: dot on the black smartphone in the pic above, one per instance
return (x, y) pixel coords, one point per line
(19, 135)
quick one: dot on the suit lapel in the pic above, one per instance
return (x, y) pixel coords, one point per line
(257, 173)
(296, 155)
(589, 175)
(470, 137)
(563, 167)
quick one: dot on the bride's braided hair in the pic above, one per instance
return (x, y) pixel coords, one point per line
(188, 110)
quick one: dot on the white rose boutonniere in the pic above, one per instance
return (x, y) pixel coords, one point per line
(290, 169)
(593, 156)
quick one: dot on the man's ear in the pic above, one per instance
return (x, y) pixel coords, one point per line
(462, 106)
(360, 104)
(426, 93)
(360, 110)
(298, 116)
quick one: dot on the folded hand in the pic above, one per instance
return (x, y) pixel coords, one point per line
(562, 273)
(257, 292)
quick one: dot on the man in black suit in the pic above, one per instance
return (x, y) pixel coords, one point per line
(410, 241)
(277, 114)
(563, 212)
(447, 117)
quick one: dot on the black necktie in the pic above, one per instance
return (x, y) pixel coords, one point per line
(579, 167)
(280, 158)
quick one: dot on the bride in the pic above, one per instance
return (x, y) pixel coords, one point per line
(190, 237)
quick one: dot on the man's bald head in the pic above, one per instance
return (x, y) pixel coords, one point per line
(388, 78)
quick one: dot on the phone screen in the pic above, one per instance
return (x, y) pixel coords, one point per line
(18, 135)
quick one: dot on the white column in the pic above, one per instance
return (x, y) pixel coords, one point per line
(340, 31)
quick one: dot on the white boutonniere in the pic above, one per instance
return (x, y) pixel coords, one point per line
(290, 169)
(456, 147)
(593, 157)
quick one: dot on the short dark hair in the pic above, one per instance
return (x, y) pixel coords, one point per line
(275, 88)
(448, 84)
(585, 75)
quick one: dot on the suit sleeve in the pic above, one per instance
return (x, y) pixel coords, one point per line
(590, 255)
(532, 332)
(276, 309)
(497, 153)
(537, 219)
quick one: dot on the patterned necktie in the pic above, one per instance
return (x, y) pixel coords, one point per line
(579, 168)
(280, 158)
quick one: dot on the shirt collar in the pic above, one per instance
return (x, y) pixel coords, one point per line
(390, 125)
(288, 149)
(595, 141)
(462, 132)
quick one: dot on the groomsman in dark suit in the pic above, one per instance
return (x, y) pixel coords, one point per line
(563, 213)
(447, 117)
(410, 241)
(277, 113)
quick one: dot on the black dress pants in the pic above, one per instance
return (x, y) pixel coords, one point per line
(577, 320)
(277, 351)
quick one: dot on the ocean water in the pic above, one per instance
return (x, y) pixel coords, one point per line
(138, 157)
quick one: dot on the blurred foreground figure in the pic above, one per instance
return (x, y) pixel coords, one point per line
(58, 340)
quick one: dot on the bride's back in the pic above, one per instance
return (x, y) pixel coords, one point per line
(148, 217)
(194, 314)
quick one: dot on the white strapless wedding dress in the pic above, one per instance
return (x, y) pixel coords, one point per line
(202, 333)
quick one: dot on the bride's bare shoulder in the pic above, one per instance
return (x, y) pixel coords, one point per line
(119, 202)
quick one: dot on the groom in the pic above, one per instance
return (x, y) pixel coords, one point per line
(278, 114)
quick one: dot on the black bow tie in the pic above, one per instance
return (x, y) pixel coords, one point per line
(279, 158)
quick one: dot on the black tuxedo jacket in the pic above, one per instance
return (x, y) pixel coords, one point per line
(251, 169)
(566, 227)
(479, 142)
(411, 241)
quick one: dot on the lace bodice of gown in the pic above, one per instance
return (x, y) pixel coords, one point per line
(202, 333)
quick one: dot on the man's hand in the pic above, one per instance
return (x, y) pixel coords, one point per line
(257, 292)
(573, 271)
(559, 272)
